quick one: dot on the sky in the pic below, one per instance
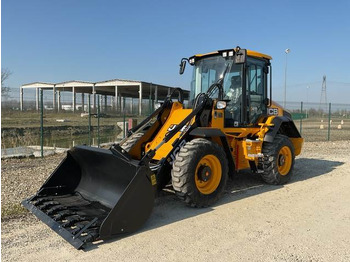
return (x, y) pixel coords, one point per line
(61, 40)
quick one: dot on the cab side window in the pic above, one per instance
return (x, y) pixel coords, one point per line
(255, 89)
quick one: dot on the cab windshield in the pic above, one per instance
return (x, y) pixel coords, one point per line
(208, 71)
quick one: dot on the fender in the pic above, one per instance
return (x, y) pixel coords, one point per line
(284, 126)
(207, 132)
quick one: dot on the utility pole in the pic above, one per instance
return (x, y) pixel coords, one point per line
(287, 51)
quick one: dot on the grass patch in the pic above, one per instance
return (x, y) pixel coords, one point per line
(12, 210)
(32, 119)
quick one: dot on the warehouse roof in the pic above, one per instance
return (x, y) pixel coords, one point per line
(126, 88)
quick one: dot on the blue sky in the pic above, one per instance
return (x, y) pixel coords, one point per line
(63, 40)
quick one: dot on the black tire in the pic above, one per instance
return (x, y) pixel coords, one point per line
(131, 141)
(189, 186)
(278, 162)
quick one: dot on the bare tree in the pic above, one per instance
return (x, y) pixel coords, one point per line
(5, 90)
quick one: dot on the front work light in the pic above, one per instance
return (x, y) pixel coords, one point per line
(221, 105)
(157, 105)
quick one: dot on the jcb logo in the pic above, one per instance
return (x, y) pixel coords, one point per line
(272, 111)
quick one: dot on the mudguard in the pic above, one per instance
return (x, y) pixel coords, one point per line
(283, 124)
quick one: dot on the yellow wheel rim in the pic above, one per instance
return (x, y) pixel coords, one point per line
(208, 174)
(284, 160)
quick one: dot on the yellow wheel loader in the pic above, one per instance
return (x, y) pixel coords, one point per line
(230, 124)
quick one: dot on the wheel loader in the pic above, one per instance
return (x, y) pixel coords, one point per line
(230, 124)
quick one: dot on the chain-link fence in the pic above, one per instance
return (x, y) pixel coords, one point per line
(321, 122)
(101, 120)
(83, 119)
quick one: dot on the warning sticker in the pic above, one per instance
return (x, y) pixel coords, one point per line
(153, 179)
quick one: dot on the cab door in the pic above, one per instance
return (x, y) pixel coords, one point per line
(256, 83)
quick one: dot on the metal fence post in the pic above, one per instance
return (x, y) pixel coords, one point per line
(42, 122)
(149, 106)
(329, 122)
(301, 117)
(132, 106)
(98, 120)
(124, 117)
(89, 111)
(150, 100)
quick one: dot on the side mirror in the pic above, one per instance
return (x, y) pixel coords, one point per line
(240, 55)
(182, 66)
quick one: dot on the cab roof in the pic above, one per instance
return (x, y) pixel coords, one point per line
(249, 53)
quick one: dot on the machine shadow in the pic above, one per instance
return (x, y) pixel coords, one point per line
(169, 209)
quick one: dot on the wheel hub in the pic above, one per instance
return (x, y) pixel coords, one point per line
(208, 174)
(284, 160)
(204, 173)
(281, 160)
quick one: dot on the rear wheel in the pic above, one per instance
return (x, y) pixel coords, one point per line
(199, 173)
(278, 160)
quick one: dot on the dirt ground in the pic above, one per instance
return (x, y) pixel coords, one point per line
(305, 220)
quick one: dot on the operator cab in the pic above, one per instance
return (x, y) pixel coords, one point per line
(244, 82)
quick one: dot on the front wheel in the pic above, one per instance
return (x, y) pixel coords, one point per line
(278, 160)
(200, 172)
(132, 140)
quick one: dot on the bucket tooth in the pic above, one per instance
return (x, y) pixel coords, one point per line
(55, 209)
(72, 220)
(48, 204)
(62, 214)
(41, 200)
(89, 236)
(81, 224)
(78, 227)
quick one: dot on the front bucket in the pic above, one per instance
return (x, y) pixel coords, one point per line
(95, 194)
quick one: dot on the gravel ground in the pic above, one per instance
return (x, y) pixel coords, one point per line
(20, 178)
(305, 220)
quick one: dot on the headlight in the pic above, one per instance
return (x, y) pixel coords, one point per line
(157, 105)
(221, 105)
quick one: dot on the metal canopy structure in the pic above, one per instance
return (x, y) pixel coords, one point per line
(115, 88)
